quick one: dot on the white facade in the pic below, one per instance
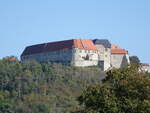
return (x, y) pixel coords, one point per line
(84, 58)
(119, 60)
(104, 56)
(144, 68)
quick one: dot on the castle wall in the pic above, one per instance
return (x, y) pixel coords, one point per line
(62, 56)
(104, 54)
(84, 58)
(75, 57)
(145, 69)
(119, 60)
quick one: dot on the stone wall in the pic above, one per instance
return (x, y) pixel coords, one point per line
(62, 56)
(144, 69)
(84, 58)
(104, 54)
(119, 60)
(75, 57)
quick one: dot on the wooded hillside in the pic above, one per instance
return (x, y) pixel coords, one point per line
(43, 88)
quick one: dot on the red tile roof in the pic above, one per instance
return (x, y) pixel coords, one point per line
(115, 47)
(117, 50)
(145, 64)
(10, 58)
(60, 45)
(84, 44)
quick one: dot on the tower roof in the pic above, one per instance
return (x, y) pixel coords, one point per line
(59, 45)
(103, 42)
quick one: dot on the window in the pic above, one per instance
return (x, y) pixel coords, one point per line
(106, 49)
(87, 57)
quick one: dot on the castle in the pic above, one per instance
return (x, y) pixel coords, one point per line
(144, 67)
(78, 52)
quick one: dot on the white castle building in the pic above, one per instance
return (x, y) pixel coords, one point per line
(78, 52)
(144, 67)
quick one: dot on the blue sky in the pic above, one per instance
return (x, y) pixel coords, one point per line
(28, 22)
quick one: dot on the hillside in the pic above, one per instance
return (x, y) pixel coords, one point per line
(43, 88)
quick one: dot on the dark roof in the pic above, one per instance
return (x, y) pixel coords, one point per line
(60, 45)
(103, 42)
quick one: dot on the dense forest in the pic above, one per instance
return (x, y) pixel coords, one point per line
(31, 87)
(43, 88)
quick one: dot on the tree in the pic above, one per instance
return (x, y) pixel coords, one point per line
(123, 91)
(134, 60)
(5, 106)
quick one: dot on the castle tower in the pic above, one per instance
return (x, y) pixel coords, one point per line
(119, 57)
(104, 53)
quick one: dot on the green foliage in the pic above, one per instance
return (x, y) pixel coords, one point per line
(42, 88)
(134, 60)
(5, 105)
(123, 91)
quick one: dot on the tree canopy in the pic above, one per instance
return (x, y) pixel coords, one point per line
(122, 91)
(134, 60)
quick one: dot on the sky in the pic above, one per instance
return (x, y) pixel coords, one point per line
(28, 22)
